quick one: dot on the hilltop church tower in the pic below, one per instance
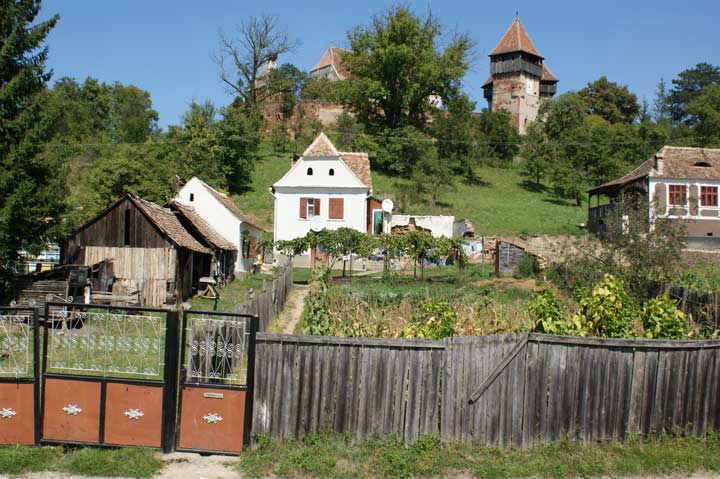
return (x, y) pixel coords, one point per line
(519, 79)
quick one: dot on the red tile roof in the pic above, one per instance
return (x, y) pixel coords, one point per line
(321, 146)
(678, 163)
(359, 163)
(203, 228)
(547, 75)
(333, 56)
(515, 39)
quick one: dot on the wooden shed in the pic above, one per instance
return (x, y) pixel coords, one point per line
(224, 252)
(154, 256)
(508, 256)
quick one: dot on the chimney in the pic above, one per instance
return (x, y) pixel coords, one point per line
(659, 160)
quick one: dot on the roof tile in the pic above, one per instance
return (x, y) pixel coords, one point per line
(515, 39)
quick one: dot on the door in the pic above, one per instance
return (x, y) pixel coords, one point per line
(218, 362)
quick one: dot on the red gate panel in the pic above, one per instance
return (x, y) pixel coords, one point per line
(17, 413)
(212, 419)
(71, 411)
(133, 414)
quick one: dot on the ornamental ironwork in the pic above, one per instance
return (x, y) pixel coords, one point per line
(16, 344)
(106, 343)
(217, 349)
(72, 409)
(134, 414)
(212, 418)
(7, 413)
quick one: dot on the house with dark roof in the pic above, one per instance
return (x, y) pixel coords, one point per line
(519, 77)
(154, 257)
(221, 213)
(324, 188)
(679, 183)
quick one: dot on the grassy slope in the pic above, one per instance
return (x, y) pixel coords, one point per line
(499, 205)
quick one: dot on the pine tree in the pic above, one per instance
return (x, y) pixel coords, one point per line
(31, 187)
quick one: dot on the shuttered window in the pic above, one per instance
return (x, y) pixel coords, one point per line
(337, 208)
(677, 195)
(309, 207)
(708, 195)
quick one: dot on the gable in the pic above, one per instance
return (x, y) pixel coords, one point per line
(298, 176)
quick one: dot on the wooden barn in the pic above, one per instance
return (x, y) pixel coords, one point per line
(224, 252)
(154, 257)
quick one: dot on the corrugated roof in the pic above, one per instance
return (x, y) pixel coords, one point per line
(169, 224)
(678, 163)
(515, 39)
(203, 228)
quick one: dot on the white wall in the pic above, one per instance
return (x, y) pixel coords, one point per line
(438, 225)
(289, 225)
(219, 217)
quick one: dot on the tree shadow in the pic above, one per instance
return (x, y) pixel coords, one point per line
(559, 202)
(532, 186)
(476, 181)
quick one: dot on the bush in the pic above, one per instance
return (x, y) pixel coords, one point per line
(662, 319)
(527, 267)
(436, 320)
(316, 316)
(608, 312)
(547, 313)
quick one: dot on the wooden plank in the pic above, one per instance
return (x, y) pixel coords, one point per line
(391, 359)
(498, 370)
(400, 392)
(636, 392)
(363, 385)
(542, 390)
(412, 412)
(624, 396)
(317, 375)
(363, 342)
(469, 372)
(570, 390)
(649, 392)
(379, 380)
(631, 343)
(291, 376)
(342, 386)
(557, 355)
(517, 397)
(530, 395)
(510, 343)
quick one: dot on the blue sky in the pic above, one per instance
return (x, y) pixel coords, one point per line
(166, 46)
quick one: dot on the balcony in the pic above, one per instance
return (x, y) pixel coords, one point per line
(597, 217)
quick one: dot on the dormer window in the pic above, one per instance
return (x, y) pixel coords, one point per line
(332, 172)
(309, 172)
(192, 197)
(702, 164)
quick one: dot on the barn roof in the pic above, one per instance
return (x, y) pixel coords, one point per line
(168, 223)
(202, 227)
(516, 39)
(677, 163)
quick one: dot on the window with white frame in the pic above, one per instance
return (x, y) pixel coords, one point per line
(709, 196)
(677, 195)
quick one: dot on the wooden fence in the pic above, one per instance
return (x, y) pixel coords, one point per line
(702, 306)
(509, 390)
(270, 300)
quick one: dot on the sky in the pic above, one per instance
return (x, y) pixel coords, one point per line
(166, 46)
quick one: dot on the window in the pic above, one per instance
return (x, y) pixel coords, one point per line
(708, 196)
(336, 208)
(332, 172)
(309, 207)
(309, 172)
(192, 196)
(127, 228)
(677, 195)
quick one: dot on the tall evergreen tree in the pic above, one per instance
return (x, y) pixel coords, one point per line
(30, 186)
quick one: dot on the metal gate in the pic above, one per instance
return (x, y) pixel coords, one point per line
(218, 362)
(109, 375)
(19, 368)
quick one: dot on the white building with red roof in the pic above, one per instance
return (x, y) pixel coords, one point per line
(324, 188)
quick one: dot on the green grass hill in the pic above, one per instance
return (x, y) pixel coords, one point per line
(499, 204)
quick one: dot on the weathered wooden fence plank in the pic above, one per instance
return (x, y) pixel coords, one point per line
(589, 389)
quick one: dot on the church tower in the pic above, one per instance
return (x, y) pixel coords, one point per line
(519, 78)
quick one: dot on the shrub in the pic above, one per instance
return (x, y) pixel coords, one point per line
(608, 312)
(316, 316)
(547, 313)
(436, 320)
(527, 267)
(662, 319)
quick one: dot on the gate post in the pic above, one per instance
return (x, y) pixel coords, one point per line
(250, 392)
(171, 377)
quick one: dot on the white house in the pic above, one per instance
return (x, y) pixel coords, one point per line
(223, 215)
(324, 188)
